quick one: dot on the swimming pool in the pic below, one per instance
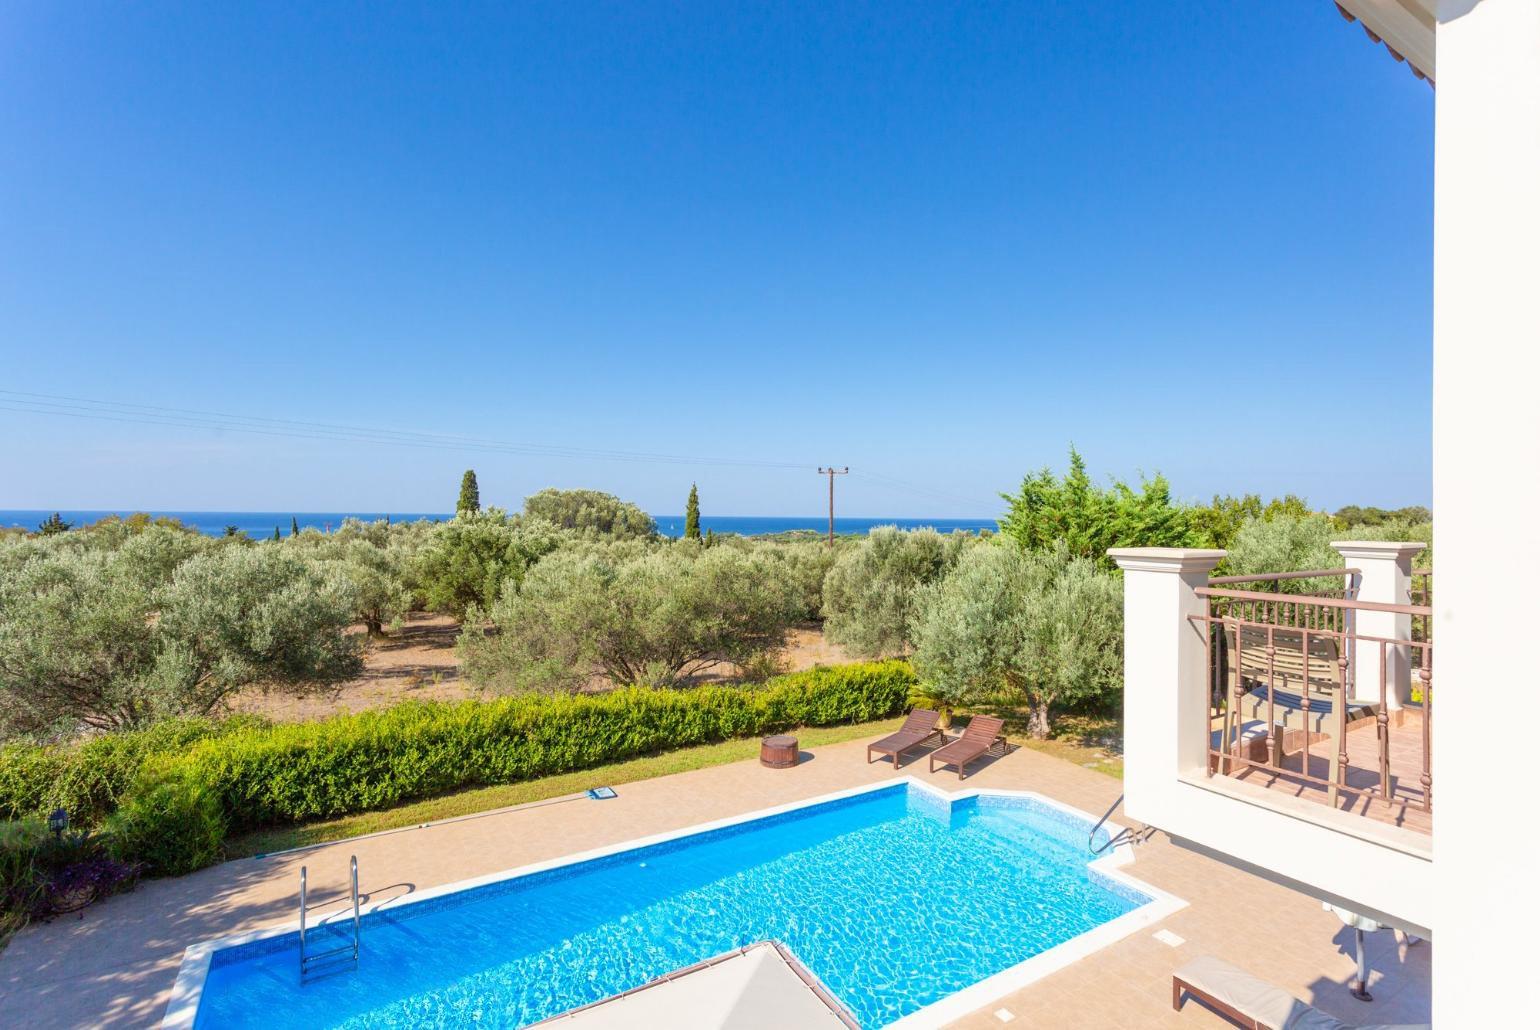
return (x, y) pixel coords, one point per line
(907, 903)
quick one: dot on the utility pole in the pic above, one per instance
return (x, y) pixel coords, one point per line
(831, 472)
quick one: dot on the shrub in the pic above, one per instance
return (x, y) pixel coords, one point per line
(376, 759)
(43, 875)
(172, 826)
(179, 787)
(23, 871)
(89, 779)
(869, 593)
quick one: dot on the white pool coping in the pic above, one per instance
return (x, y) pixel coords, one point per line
(182, 1009)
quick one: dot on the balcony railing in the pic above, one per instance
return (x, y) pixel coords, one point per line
(1298, 680)
(1422, 595)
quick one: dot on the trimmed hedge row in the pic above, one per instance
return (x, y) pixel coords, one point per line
(89, 780)
(169, 795)
(354, 763)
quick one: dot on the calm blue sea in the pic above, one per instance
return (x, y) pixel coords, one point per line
(260, 524)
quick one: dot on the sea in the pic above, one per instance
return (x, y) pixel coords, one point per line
(260, 524)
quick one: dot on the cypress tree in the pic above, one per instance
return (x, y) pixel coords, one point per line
(470, 493)
(53, 524)
(692, 515)
(277, 535)
(293, 526)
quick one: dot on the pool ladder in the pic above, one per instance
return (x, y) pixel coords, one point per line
(331, 960)
(1113, 840)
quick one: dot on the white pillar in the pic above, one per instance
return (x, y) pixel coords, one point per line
(1486, 424)
(1387, 579)
(1165, 673)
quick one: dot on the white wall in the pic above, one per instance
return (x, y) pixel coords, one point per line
(1486, 479)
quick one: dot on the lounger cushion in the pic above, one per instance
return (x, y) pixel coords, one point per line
(1259, 1000)
(1271, 1006)
(1289, 710)
(1251, 730)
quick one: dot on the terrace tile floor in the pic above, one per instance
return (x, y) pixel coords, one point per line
(115, 963)
(1405, 807)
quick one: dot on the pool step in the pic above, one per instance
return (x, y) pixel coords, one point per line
(331, 960)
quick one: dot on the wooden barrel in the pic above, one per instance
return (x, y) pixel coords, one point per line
(778, 752)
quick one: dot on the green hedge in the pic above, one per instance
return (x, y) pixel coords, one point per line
(88, 780)
(169, 794)
(355, 763)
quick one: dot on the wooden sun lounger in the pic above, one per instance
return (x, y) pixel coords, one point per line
(918, 729)
(1252, 1003)
(978, 737)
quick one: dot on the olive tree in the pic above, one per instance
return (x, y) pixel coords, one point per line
(471, 556)
(1044, 628)
(868, 596)
(656, 618)
(1285, 543)
(108, 640)
(802, 564)
(1297, 542)
(590, 511)
(377, 558)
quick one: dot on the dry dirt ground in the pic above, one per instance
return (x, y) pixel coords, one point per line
(419, 663)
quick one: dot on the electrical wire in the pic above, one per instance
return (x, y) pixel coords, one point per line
(63, 406)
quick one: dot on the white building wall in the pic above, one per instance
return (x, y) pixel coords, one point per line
(1486, 475)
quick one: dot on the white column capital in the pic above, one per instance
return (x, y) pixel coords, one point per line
(1166, 559)
(1369, 550)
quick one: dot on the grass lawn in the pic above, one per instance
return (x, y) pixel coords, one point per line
(1094, 742)
(1089, 742)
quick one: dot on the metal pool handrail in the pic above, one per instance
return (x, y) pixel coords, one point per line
(348, 952)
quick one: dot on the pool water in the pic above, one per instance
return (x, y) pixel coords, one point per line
(895, 898)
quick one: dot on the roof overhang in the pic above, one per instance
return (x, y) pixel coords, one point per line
(1404, 27)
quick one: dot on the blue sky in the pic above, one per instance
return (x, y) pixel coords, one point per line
(935, 242)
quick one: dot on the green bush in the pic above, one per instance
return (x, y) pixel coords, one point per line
(88, 780)
(172, 827)
(170, 794)
(377, 759)
(43, 874)
(23, 873)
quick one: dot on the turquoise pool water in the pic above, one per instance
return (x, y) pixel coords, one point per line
(895, 898)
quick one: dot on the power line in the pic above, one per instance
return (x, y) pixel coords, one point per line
(94, 409)
(146, 414)
(925, 491)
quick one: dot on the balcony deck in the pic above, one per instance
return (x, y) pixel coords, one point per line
(1405, 807)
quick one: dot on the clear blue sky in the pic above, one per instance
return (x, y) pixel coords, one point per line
(933, 241)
